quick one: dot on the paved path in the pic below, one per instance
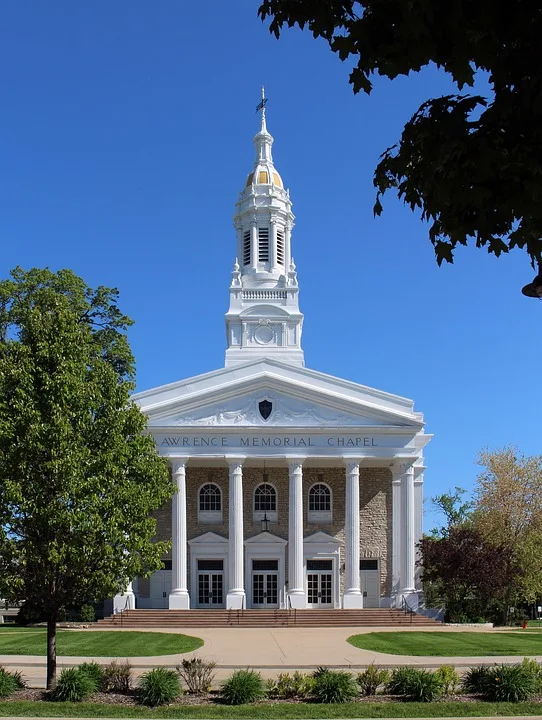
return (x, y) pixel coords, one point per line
(270, 650)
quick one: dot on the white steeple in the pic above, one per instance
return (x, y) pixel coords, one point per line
(264, 318)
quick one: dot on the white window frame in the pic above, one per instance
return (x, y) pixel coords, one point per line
(272, 515)
(209, 517)
(320, 517)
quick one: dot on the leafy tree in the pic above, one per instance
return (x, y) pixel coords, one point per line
(471, 163)
(455, 512)
(466, 572)
(78, 478)
(508, 512)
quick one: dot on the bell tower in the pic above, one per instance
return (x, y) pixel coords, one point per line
(264, 319)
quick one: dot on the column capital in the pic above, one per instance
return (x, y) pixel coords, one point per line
(401, 466)
(296, 464)
(235, 463)
(352, 464)
(178, 464)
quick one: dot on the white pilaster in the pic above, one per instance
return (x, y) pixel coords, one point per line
(179, 598)
(418, 519)
(125, 600)
(235, 599)
(352, 595)
(296, 581)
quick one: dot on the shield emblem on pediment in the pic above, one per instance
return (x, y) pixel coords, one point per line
(266, 408)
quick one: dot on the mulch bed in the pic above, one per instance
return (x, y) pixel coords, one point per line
(213, 698)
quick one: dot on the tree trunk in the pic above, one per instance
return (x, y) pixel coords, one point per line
(51, 651)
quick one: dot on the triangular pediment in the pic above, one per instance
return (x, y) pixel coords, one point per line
(208, 538)
(265, 537)
(321, 537)
(299, 398)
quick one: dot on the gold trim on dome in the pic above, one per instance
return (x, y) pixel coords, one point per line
(277, 180)
(263, 177)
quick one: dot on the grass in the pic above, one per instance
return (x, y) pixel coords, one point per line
(270, 711)
(452, 644)
(88, 643)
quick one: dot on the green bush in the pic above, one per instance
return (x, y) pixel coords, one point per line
(158, 687)
(197, 674)
(288, 686)
(415, 684)
(510, 683)
(474, 679)
(8, 685)
(334, 686)
(16, 676)
(117, 676)
(243, 686)
(536, 670)
(448, 678)
(370, 680)
(94, 672)
(73, 686)
(87, 613)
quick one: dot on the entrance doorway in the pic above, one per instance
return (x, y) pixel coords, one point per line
(370, 582)
(265, 580)
(159, 589)
(320, 583)
(211, 584)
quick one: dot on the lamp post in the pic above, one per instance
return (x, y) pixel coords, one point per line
(534, 288)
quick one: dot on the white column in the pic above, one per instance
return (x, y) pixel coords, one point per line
(296, 580)
(235, 599)
(396, 524)
(179, 598)
(408, 539)
(418, 520)
(352, 594)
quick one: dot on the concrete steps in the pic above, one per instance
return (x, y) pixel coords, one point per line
(370, 617)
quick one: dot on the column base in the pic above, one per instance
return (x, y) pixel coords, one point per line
(179, 601)
(297, 601)
(236, 601)
(126, 601)
(352, 601)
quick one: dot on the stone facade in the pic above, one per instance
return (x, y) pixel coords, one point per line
(375, 510)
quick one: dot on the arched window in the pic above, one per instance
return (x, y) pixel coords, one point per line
(210, 504)
(265, 498)
(319, 504)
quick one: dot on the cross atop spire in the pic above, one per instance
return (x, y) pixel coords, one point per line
(261, 106)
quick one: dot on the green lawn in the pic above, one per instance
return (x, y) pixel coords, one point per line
(454, 644)
(272, 711)
(89, 643)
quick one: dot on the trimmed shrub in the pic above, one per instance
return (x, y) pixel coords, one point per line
(197, 674)
(370, 679)
(94, 672)
(117, 676)
(448, 678)
(510, 683)
(415, 684)
(474, 679)
(243, 686)
(159, 686)
(8, 685)
(73, 686)
(334, 686)
(288, 686)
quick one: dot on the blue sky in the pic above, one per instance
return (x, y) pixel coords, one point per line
(125, 138)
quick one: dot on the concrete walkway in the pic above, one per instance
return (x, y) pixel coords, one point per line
(270, 650)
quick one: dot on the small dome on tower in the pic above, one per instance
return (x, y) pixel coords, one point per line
(264, 175)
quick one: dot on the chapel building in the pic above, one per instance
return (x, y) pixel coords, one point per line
(294, 489)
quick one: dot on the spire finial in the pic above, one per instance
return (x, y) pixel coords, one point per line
(261, 106)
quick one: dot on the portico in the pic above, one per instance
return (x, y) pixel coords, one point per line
(293, 488)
